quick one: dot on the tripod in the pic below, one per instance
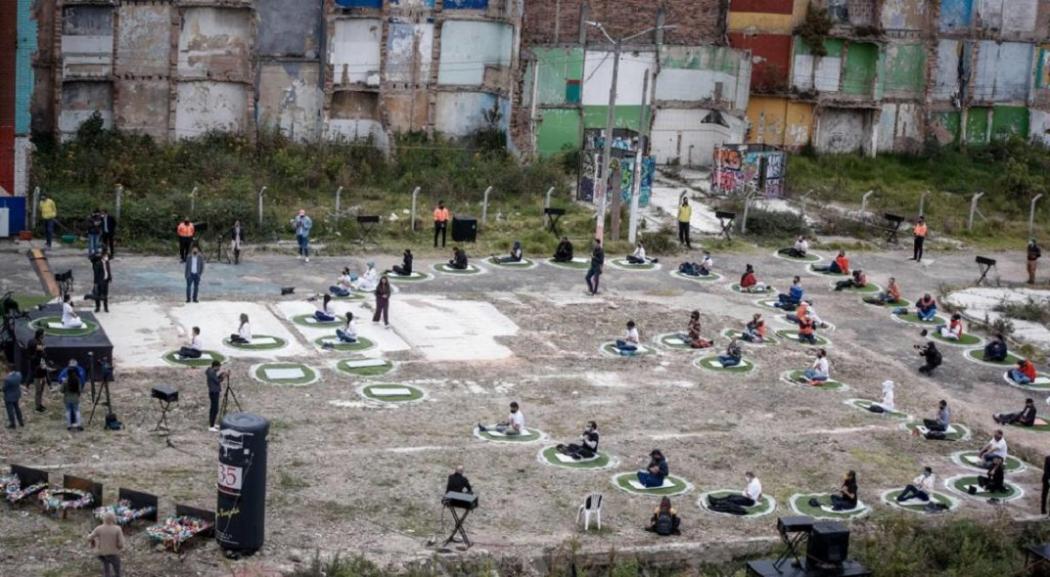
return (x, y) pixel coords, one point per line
(96, 395)
(229, 395)
(222, 251)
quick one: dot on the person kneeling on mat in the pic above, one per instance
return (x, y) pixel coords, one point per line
(997, 350)
(859, 280)
(628, 345)
(665, 520)
(348, 334)
(734, 355)
(892, 294)
(516, 254)
(243, 336)
(194, 349)
(932, 355)
(805, 331)
(405, 268)
(1024, 418)
(838, 266)
(1024, 374)
(755, 330)
(887, 403)
(638, 257)
(325, 314)
(655, 472)
(587, 448)
(70, 318)
(343, 284)
(920, 488)
(820, 371)
(793, 298)
(749, 282)
(514, 425)
(799, 250)
(459, 259)
(737, 504)
(994, 481)
(693, 336)
(563, 252)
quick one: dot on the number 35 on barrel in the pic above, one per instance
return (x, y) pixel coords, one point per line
(230, 478)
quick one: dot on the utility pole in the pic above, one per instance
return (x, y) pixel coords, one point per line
(636, 185)
(601, 188)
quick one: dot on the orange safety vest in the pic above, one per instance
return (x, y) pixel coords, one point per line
(1028, 369)
(440, 215)
(803, 310)
(920, 229)
(185, 230)
(843, 263)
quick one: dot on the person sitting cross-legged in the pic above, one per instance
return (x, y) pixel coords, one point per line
(805, 331)
(656, 471)
(693, 337)
(514, 425)
(954, 330)
(920, 488)
(820, 371)
(749, 282)
(806, 309)
(70, 318)
(925, 308)
(243, 336)
(1025, 417)
(733, 356)
(665, 520)
(629, 343)
(735, 504)
(516, 254)
(194, 349)
(563, 252)
(994, 481)
(405, 268)
(793, 298)
(1024, 374)
(368, 281)
(996, 351)
(936, 428)
(348, 334)
(343, 284)
(638, 256)
(755, 330)
(586, 448)
(846, 498)
(798, 250)
(698, 269)
(892, 294)
(858, 280)
(459, 259)
(838, 266)
(324, 313)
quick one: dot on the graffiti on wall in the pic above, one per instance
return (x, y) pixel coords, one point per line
(741, 168)
(627, 175)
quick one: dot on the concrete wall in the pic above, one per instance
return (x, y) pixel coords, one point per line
(956, 15)
(952, 72)
(461, 113)
(143, 105)
(289, 28)
(820, 73)
(475, 53)
(1039, 126)
(289, 98)
(87, 41)
(903, 72)
(202, 107)
(900, 127)
(844, 131)
(779, 122)
(354, 51)
(690, 136)
(704, 73)
(1003, 71)
(597, 69)
(82, 99)
(409, 49)
(859, 73)
(215, 43)
(144, 40)
(908, 15)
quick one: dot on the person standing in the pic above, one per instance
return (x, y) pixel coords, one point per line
(186, 232)
(1046, 486)
(108, 541)
(109, 232)
(382, 301)
(72, 379)
(441, 216)
(194, 272)
(685, 215)
(48, 213)
(36, 372)
(13, 394)
(597, 263)
(302, 224)
(236, 238)
(102, 277)
(1034, 253)
(214, 376)
(919, 233)
(94, 232)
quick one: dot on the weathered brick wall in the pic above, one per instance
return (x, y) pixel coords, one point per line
(697, 21)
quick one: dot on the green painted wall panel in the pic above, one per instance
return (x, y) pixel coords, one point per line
(557, 67)
(625, 117)
(833, 46)
(977, 126)
(1008, 121)
(25, 47)
(946, 126)
(861, 63)
(904, 70)
(559, 130)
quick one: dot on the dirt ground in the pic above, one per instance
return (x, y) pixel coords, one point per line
(368, 479)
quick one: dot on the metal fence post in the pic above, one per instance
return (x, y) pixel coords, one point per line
(193, 201)
(338, 203)
(1031, 216)
(415, 194)
(922, 203)
(118, 201)
(864, 202)
(747, 206)
(973, 209)
(36, 205)
(485, 206)
(261, 192)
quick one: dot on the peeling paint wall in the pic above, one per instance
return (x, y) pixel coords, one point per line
(862, 61)
(900, 128)
(203, 107)
(903, 73)
(355, 116)
(905, 14)
(143, 106)
(82, 99)
(1003, 71)
(766, 16)
(215, 44)
(143, 41)
(1039, 126)
(597, 69)
(475, 53)
(409, 49)
(461, 113)
(290, 98)
(698, 21)
(945, 127)
(289, 28)
(978, 126)
(952, 71)
(779, 122)
(87, 41)
(955, 15)
(690, 136)
(703, 73)
(820, 73)
(354, 51)
(1008, 121)
(407, 112)
(559, 129)
(843, 131)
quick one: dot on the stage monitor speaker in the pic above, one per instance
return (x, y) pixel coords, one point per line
(464, 229)
(828, 544)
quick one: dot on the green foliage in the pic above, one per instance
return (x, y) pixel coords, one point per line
(1036, 311)
(775, 225)
(815, 28)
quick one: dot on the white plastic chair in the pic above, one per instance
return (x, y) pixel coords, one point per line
(592, 505)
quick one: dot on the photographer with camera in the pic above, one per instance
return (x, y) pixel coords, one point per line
(932, 355)
(214, 375)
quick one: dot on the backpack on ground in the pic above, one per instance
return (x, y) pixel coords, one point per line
(664, 524)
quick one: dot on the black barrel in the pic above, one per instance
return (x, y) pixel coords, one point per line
(241, 510)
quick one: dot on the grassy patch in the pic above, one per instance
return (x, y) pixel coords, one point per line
(531, 435)
(863, 405)
(362, 344)
(204, 361)
(622, 263)
(574, 264)
(878, 303)
(802, 505)
(870, 288)
(798, 377)
(962, 483)
(277, 343)
(1011, 359)
(810, 257)
(413, 395)
(760, 508)
(373, 371)
(678, 486)
(43, 322)
(956, 433)
(445, 268)
(610, 348)
(916, 505)
(913, 318)
(736, 287)
(967, 340)
(308, 320)
(523, 263)
(550, 455)
(309, 375)
(792, 337)
(1011, 465)
(711, 363)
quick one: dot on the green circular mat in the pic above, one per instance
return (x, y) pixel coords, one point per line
(204, 361)
(43, 322)
(373, 392)
(959, 484)
(522, 264)
(899, 303)
(800, 504)
(353, 296)
(792, 337)
(917, 506)
(581, 264)
(362, 344)
(1011, 465)
(766, 506)
(863, 404)
(445, 268)
(713, 277)
(826, 273)
(677, 486)
(308, 320)
(739, 335)
(977, 355)
(550, 456)
(414, 277)
(610, 349)
(913, 318)
(309, 375)
(267, 346)
(810, 257)
(622, 263)
(1037, 428)
(967, 340)
(674, 340)
(373, 371)
(530, 436)
(795, 378)
(735, 287)
(711, 363)
(870, 288)
(956, 432)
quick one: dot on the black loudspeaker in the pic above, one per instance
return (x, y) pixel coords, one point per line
(464, 229)
(828, 545)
